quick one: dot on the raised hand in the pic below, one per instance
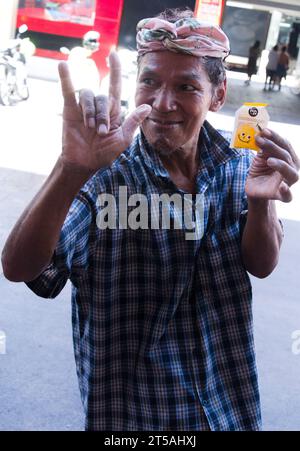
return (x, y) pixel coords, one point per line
(93, 136)
(274, 170)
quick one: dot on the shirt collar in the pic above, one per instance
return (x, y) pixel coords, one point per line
(151, 157)
(213, 151)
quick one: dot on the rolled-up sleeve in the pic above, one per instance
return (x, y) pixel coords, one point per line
(71, 256)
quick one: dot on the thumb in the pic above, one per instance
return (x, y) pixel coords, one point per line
(285, 192)
(134, 120)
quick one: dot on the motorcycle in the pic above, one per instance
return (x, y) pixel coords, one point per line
(13, 71)
(84, 72)
(83, 69)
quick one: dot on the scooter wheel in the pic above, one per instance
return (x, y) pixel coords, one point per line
(5, 97)
(23, 92)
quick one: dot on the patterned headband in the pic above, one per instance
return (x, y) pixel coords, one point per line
(189, 36)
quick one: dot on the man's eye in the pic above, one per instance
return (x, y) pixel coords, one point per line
(148, 81)
(188, 88)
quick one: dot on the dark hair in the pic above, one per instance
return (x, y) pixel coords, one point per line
(275, 47)
(214, 67)
(256, 44)
(284, 48)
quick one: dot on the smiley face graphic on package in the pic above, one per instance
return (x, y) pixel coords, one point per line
(250, 119)
(245, 136)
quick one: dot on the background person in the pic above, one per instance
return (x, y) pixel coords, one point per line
(254, 54)
(271, 68)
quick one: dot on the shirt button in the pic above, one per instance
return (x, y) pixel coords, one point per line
(204, 402)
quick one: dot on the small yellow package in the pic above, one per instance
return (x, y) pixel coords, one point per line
(250, 119)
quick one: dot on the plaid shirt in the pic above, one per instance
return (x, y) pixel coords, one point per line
(162, 326)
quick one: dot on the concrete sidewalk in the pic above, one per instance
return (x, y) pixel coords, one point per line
(38, 385)
(38, 382)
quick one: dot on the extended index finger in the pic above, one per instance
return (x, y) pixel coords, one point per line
(67, 87)
(115, 79)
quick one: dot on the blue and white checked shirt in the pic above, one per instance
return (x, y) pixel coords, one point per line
(162, 326)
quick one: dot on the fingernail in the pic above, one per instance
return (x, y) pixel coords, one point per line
(144, 108)
(91, 123)
(102, 129)
(271, 161)
(267, 132)
(260, 139)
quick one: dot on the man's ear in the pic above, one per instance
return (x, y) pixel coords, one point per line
(218, 97)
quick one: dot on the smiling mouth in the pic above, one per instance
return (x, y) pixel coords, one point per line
(165, 123)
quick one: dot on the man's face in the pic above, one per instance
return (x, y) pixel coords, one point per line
(180, 93)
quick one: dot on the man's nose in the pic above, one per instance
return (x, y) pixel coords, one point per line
(164, 101)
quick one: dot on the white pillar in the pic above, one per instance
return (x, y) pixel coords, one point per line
(8, 17)
(273, 29)
(272, 38)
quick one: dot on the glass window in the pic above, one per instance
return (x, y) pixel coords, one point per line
(79, 11)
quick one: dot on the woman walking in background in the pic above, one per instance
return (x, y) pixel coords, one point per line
(254, 54)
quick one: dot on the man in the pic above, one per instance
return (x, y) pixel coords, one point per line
(163, 331)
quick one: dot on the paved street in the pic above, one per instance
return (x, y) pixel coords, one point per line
(38, 385)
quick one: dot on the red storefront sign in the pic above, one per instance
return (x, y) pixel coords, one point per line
(70, 18)
(210, 10)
